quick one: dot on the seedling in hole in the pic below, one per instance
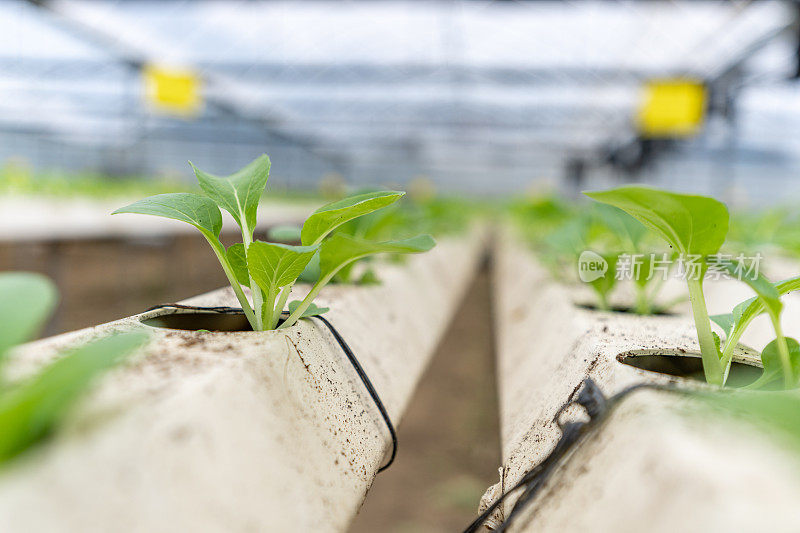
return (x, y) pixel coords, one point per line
(696, 226)
(32, 408)
(608, 232)
(268, 269)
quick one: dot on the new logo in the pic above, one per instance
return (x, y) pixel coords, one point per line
(591, 266)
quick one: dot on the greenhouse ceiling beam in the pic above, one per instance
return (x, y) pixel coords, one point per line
(359, 73)
(136, 60)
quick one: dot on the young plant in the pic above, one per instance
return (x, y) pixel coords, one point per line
(612, 234)
(268, 269)
(696, 227)
(628, 235)
(780, 357)
(32, 408)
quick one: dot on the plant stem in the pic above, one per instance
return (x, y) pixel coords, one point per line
(602, 300)
(276, 313)
(267, 307)
(219, 251)
(708, 348)
(294, 317)
(258, 297)
(642, 302)
(731, 341)
(783, 350)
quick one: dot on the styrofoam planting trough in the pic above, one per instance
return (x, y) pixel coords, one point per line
(658, 465)
(241, 431)
(547, 345)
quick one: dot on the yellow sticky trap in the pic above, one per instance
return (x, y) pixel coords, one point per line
(672, 108)
(172, 91)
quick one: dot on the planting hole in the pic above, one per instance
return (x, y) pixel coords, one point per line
(195, 321)
(688, 366)
(622, 309)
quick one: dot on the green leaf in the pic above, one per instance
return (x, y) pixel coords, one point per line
(690, 224)
(771, 359)
(26, 300)
(626, 228)
(788, 285)
(568, 240)
(312, 309)
(239, 193)
(746, 311)
(199, 211)
(330, 216)
(725, 321)
(238, 261)
(341, 250)
(311, 273)
(775, 413)
(606, 283)
(30, 410)
(766, 291)
(369, 278)
(284, 233)
(274, 265)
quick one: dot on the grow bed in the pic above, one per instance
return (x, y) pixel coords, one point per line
(547, 346)
(236, 431)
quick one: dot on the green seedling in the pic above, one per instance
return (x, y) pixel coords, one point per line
(628, 234)
(696, 227)
(785, 355)
(270, 270)
(604, 285)
(604, 230)
(32, 408)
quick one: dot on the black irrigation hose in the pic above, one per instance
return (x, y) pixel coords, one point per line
(597, 406)
(345, 348)
(221, 309)
(368, 384)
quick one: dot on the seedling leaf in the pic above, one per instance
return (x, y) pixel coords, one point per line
(606, 283)
(690, 224)
(26, 301)
(330, 216)
(274, 265)
(746, 311)
(199, 211)
(312, 309)
(238, 261)
(240, 192)
(766, 291)
(311, 272)
(624, 226)
(771, 359)
(725, 321)
(30, 410)
(341, 250)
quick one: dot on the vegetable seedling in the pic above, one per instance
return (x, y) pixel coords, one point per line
(270, 270)
(696, 227)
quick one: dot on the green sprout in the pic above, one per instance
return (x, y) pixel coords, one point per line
(696, 227)
(270, 270)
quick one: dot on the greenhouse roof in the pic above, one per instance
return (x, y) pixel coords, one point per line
(359, 79)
